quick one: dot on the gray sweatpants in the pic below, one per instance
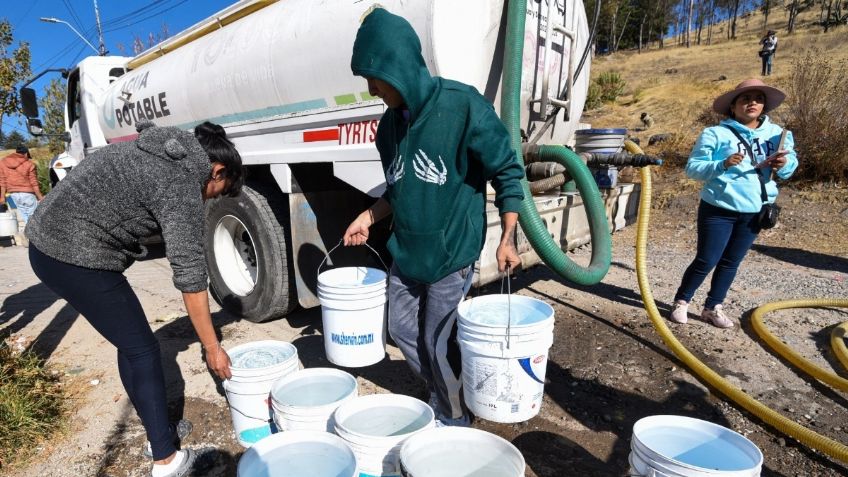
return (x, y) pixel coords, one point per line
(422, 322)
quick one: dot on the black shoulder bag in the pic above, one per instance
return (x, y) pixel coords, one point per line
(767, 218)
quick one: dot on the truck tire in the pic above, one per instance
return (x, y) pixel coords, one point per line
(248, 253)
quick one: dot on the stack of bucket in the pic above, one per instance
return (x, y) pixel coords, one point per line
(299, 453)
(306, 400)
(504, 341)
(679, 446)
(603, 141)
(353, 312)
(255, 367)
(458, 451)
(376, 426)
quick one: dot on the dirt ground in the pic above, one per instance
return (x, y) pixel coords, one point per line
(607, 368)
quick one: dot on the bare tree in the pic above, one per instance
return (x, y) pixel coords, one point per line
(733, 23)
(689, 23)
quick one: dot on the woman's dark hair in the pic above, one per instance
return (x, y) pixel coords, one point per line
(214, 140)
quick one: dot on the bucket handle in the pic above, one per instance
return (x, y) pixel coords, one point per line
(230, 404)
(327, 255)
(508, 305)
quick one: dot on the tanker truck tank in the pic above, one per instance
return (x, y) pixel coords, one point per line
(278, 61)
(276, 75)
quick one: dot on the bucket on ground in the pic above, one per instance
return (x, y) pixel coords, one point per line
(8, 224)
(353, 312)
(504, 340)
(255, 367)
(459, 452)
(299, 454)
(680, 446)
(306, 399)
(375, 427)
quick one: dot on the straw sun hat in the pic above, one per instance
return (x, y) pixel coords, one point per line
(774, 96)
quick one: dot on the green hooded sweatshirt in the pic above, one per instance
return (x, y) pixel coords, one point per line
(437, 154)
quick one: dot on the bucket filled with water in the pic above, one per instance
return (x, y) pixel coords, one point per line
(459, 452)
(299, 454)
(255, 367)
(306, 399)
(353, 312)
(375, 427)
(504, 341)
(679, 446)
(8, 224)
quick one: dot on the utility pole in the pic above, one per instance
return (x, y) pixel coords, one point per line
(102, 50)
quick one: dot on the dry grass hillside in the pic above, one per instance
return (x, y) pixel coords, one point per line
(677, 84)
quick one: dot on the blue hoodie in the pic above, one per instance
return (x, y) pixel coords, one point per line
(738, 187)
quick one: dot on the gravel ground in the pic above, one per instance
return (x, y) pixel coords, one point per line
(607, 368)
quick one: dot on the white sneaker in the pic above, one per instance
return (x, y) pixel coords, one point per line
(680, 312)
(717, 317)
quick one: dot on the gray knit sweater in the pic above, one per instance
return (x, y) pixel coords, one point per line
(95, 217)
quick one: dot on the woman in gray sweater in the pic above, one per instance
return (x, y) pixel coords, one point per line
(87, 231)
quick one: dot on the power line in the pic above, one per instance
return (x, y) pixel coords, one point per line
(73, 13)
(22, 17)
(152, 15)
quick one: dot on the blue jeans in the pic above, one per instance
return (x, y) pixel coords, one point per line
(767, 64)
(422, 322)
(106, 300)
(25, 203)
(724, 237)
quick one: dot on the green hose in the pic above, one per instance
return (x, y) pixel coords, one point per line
(534, 228)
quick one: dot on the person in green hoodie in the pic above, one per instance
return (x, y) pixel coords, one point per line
(440, 141)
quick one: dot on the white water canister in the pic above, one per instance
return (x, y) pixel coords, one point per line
(299, 454)
(255, 367)
(353, 312)
(8, 224)
(375, 427)
(680, 446)
(306, 399)
(504, 340)
(460, 452)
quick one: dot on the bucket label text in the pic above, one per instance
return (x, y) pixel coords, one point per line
(352, 340)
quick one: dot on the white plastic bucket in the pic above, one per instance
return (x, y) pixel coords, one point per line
(8, 224)
(679, 446)
(459, 452)
(503, 371)
(299, 454)
(353, 312)
(599, 140)
(255, 368)
(375, 427)
(306, 399)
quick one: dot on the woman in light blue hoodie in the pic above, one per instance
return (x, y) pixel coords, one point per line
(732, 159)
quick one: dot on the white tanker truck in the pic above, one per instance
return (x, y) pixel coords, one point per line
(276, 75)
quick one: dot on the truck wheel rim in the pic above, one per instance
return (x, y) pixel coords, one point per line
(235, 255)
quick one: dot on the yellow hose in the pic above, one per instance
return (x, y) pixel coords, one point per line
(823, 375)
(787, 426)
(837, 342)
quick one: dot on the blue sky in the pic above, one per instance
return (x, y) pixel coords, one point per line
(54, 45)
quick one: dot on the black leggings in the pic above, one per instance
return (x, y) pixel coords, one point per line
(106, 300)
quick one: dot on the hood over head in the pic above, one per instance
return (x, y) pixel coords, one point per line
(15, 160)
(176, 145)
(387, 48)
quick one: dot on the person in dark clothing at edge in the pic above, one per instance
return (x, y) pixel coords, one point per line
(86, 232)
(439, 141)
